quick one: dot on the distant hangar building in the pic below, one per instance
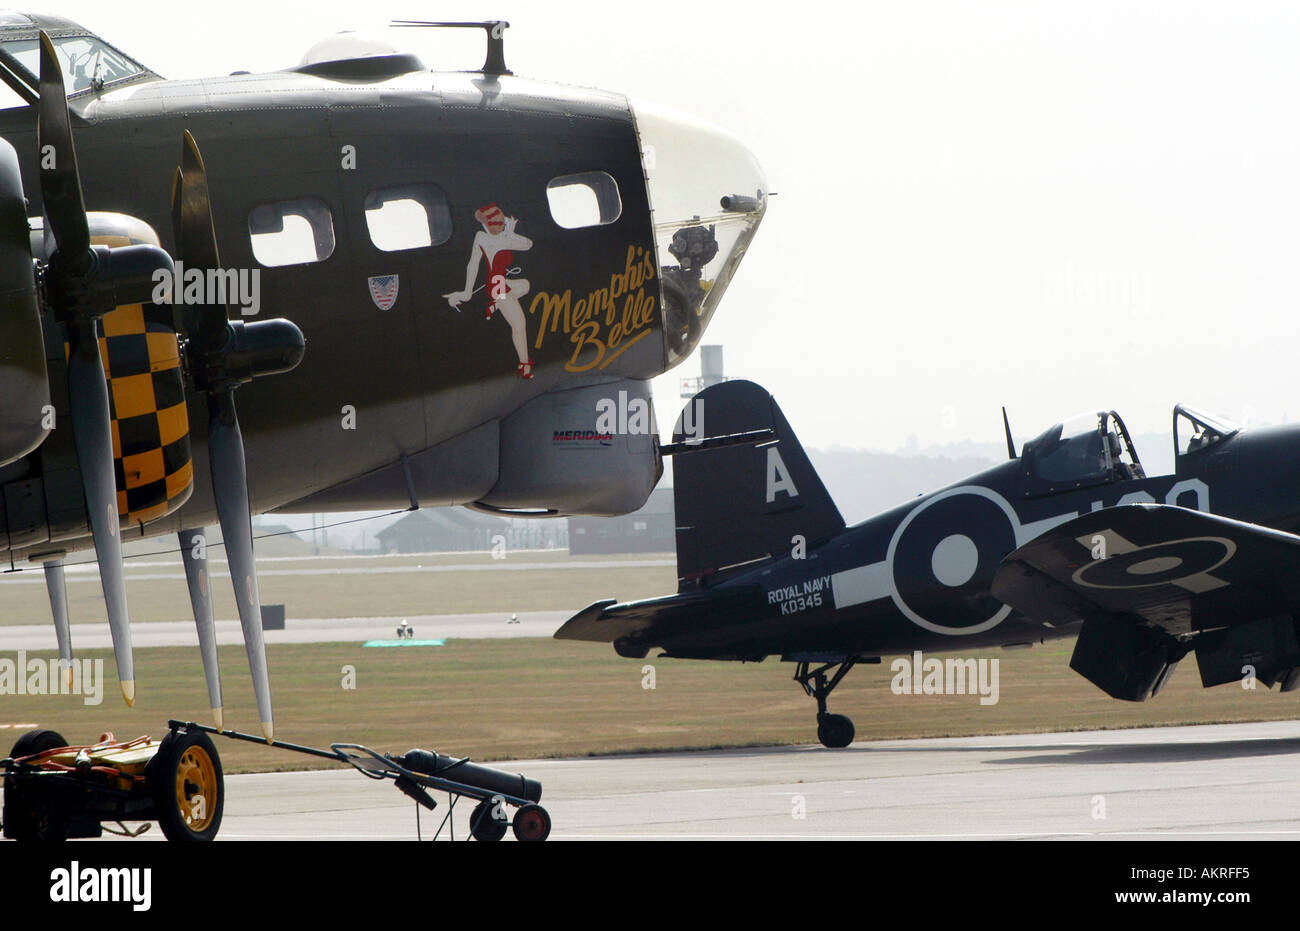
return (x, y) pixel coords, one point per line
(652, 529)
(441, 530)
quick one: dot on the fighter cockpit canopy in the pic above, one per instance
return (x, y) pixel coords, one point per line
(1199, 430)
(1088, 449)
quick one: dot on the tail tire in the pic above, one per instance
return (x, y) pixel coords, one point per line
(834, 731)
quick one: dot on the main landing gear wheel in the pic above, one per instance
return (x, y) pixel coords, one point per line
(531, 823)
(834, 730)
(27, 818)
(484, 827)
(189, 791)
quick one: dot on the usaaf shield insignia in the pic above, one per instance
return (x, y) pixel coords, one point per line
(383, 290)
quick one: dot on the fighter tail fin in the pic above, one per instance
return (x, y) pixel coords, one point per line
(739, 503)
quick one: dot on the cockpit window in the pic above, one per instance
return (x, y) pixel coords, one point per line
(87, 62)
(1087, 449)
(1195, 430)
(10, 98)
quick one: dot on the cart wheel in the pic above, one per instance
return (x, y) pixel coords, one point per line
(189, 792)
(482, 826)
(27, 818)
(532, 823)
(37, 742)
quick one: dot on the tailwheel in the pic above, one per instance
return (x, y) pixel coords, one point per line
(833, 730)
(531, 823)
(483, 825)
(187, 785)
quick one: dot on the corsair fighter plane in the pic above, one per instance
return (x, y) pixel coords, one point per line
(1068, 537)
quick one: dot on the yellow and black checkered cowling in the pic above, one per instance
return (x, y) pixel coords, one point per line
(146, 398)
(146, 393)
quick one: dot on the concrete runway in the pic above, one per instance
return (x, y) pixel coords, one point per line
(1206, 782)
(296, 630)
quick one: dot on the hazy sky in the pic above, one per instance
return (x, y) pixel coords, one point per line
(1052, 206)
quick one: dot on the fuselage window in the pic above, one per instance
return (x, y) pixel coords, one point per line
(412, 216)
(291, 232)
(589, 198)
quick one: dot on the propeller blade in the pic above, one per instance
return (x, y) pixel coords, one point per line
(55, 585)
(198, 242)
(70, 268)
(194, 553)
(196, 238)
(60, 181)
(82, 285)
(214, 339)
(92, 431)
(225, 355)
(177, 181)
(230, 489)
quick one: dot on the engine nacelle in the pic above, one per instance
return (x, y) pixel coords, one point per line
(24, 382)
(146, 390)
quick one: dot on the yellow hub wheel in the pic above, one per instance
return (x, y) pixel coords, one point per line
(196, 788)
(187, 787)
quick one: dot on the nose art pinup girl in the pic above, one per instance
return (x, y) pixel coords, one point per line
(496, 245)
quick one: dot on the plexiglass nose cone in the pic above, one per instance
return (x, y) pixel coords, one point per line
(708, 195)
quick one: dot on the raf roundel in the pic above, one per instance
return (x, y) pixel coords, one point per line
(944, 554)
(1186, 563)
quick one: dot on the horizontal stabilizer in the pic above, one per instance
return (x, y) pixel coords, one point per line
(702, 622)
(587, 624)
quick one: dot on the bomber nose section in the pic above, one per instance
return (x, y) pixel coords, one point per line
(708, 195)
